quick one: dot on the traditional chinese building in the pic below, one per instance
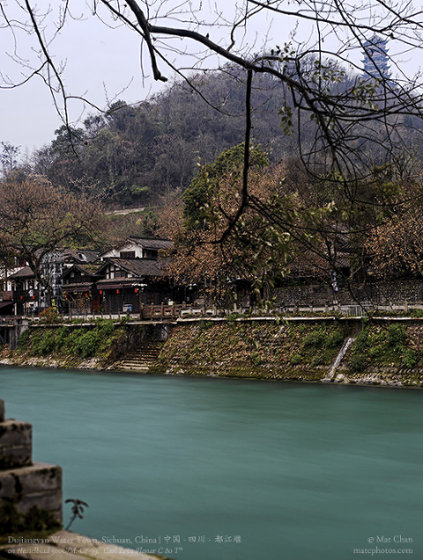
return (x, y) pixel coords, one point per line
(138, 248)
(25, 289)
(79, 290)
(127, 283)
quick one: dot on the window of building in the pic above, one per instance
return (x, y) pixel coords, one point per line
(127, 255)
(150, 254)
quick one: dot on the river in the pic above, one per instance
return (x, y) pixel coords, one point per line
(217, 469)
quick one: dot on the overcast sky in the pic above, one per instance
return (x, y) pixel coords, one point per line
(100, 63)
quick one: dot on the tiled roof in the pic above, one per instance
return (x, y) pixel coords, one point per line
(138, 267)
(24, 272)
(152, 243)
(89, 269)
(78, 286)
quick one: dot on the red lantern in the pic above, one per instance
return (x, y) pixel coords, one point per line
(118, 291)
(33, 298)
(101, 292)
(22, 298)
(86, 294)
(136, 290)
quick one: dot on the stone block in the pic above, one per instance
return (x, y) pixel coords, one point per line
(37, 485)
(15, 444)
(46, 501)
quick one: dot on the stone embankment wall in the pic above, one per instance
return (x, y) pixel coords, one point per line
(384, 352)
(289, 350)
(95, 345)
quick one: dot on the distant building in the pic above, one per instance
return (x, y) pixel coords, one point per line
(376, 60)
(25, 292)
(79, 290)
(53, 265)
(128, 283)
(138, 248)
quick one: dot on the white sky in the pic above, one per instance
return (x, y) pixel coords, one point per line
(100, 62)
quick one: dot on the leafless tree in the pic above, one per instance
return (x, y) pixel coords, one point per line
(317, 44)
(36, 219)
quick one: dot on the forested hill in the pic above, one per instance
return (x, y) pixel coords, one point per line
(132, 155)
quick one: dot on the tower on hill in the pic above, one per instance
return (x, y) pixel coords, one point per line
(376, 58)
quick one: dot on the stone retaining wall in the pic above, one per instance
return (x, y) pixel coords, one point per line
(382, 293)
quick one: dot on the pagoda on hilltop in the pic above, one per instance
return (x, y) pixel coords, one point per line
(376, 58)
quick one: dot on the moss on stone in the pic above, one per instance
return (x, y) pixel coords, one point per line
(36, 520)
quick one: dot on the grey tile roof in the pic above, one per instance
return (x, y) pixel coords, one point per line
(138, 267)
(24, 272)
(152, 243)
(90, 269)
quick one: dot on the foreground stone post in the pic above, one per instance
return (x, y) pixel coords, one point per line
(29, 492)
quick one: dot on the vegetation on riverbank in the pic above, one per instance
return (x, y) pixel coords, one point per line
(382, 346)
(104, 341)
(384, 352)
(252, 348)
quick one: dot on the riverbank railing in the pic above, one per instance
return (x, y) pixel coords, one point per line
(176, 312)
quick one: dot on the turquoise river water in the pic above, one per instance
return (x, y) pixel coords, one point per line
(211, 469)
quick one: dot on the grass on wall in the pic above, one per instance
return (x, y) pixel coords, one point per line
(96, 341)
(392, 346)
(239, 344)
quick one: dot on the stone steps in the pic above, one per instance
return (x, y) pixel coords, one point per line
(141, 359)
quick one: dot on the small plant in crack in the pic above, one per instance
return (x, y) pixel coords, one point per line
(77, 510)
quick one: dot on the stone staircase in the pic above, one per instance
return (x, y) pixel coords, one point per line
(141, 359)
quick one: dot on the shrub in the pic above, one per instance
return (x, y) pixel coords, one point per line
(232, 317)
(358, 362)
(88, 343)
(362, 340)
(71, 341)
(49, 315)
(295, 359)
(315, 338)
(106, 326)
(334, 339)
(204, 325)
(317, 360)
(396, 335)
(256, 358)
(62, 335)
(409, 358)
(24, 339)
(83, 342)
(416, 313)
(47, 343)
